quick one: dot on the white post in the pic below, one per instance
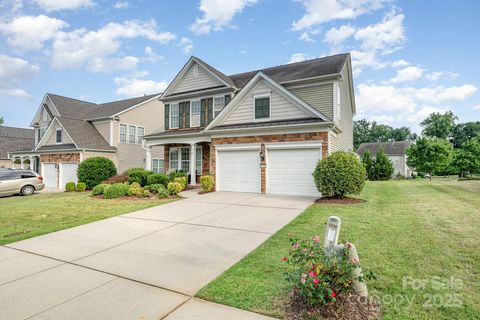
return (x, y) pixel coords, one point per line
(148, 158)
(32, 164)
(22, 166)
(193, 163)
(13, 163)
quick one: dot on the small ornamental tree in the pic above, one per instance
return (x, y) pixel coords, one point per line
(95, 170)
(368, 164)
(429, 155)
(467, 159)
(383, 167)
(339, 174)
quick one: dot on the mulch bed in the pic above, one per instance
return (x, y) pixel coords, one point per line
(135, 199)
(346, 307)
(346, 200)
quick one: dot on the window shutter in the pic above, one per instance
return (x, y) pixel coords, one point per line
(167, 116)
(210, 110)
(186, 107)
(203, 107)
(180, 113)
(228, 97)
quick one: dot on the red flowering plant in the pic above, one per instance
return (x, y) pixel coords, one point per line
(317, 276)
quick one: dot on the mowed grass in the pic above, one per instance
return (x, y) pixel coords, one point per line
(407, 230)
(26, 217)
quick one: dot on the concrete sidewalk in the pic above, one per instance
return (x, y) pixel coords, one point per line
(142, 265)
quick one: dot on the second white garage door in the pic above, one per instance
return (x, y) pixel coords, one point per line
(238, 170)
(68, 173)
(289, 171)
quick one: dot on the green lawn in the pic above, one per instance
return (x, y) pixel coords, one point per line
(26, 217)
(416, 229)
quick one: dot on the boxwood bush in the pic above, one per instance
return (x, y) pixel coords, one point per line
(182, 181)
(98, 189)
(116, 190)
(70, 186)
(95, 170)
(174, 188)
(159, 189)
(207, 183)
(81, 186)
(138, 175)
(135, 189)
(339, 174)
(158, 178)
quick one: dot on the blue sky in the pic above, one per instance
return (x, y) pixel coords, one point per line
(410, 58)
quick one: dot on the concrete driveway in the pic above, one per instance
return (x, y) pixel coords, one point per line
(142, 265)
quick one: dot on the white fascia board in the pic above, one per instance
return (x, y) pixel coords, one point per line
(293, 145)
(238, 146)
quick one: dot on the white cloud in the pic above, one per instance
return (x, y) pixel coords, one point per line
(423, 113)
(100, 65)
(121, 5)
(15, 93)
(321, 11)
(384, 119)
(441, 94)
(218, 15)
(55, 5)
(336, 36)
(307, 35)
(434, 76)
(400, 63)
(297, 57)
(75, 48)
(408, 74)
(31, 32)
(151, 55)
(15, 68)
(186, 44)
(381, 98)
(136, 87)
(476, 107)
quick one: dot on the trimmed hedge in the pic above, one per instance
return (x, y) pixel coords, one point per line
(339, 174)
(94, 171)
(70, 186)
(158, 178)
(135, 189)
(116, 190)
(174, 188)
(182, 181)
(207, 183)
(159, 189)
(81, 186)
(138, 175)
(98, 189)
(176, 174)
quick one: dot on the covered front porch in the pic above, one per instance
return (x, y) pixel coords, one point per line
(25, 161)
(186, 151)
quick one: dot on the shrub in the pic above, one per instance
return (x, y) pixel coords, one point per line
(116, 190)
(135, 190)
(399, 176)
(206, 183)
(95, 170)
(138, 175)
(339, 174)
(98, 189)
(174, 188)
(145, 194)
(382, 167)
(70, 186)
(81, 186)
(157, 178)
(159, 189)
(182, 181)
(316, 276)
(176, 174)
(121, 178)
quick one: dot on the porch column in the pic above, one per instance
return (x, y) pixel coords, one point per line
(148, 158)
(22, 166)
(13, 163)
(193, 163)
(32, 163)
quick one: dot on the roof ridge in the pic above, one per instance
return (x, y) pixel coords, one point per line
(146, 95)
(58, 95)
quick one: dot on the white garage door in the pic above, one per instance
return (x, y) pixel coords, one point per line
(68, 173)
(289, 171)
(50, 175)
(238, 170)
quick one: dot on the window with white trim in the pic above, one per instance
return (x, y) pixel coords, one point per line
(195, 113)
(262, 107)
(185, 159)
(174, 116)
(140, 134)
(157, 165)
(180, 159)
(173, 159)
(123, 133)
(58, 136)
(218, 105)
(132, 134)
(198, 160)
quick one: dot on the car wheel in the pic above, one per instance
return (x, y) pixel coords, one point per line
(27, 191)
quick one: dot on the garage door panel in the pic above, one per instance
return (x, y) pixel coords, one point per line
(289, 171)
(69, 173)
(50, 175)
(239, 170)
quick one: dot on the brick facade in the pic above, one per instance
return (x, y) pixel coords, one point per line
(205, 157)
(60, 157)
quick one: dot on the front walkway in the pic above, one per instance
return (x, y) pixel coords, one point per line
(142, 265)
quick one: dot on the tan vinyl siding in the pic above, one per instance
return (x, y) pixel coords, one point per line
(104, 128)
(280, 107)
(318, 96)
(346, 116)
(150, 116)
(108, 155)
(6, 163)
(191, 82)
(51, 139)
(334, 143)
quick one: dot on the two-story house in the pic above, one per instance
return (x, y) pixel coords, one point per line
(67, 131)
(260, 131)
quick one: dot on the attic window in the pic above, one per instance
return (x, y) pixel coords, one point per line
(195, 70)
(58, 136)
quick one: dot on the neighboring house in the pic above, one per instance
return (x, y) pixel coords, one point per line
(68, 131)
(260, 131)
(395, 151)
(12, 139)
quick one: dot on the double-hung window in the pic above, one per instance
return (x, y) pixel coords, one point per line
(195, 113)
(157, 165)
(174, 116)
(140, 134)
(180, 159)
(185, 159)
(58, 136)
(262, 107)
(123, 133)
(218, 104)
(132, 134)
(174, 159)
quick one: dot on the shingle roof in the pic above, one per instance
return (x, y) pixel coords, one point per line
(14, 139)
(396, 148)
(49, 147)
(267, 124)
(84, 134)
(174, 132)
(114, 107)
(296, 71)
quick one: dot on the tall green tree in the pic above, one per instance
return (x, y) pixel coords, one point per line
(368, 163)
(464, 132)
(366, 131)
(1, 121)
(429, 155)
(467, 159)
(439, 125)
(383, 166)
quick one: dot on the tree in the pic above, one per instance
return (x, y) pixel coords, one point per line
(402, 134)
(467, 159)
(368, 163)
(366, 131)
(429, 155)
(463, 132)
(438, 125)
(383, 167)
(1, 121)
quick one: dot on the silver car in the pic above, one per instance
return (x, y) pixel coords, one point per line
(24, 182)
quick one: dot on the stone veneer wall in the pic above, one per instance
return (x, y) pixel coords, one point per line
(261, 139)
(60, 157)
